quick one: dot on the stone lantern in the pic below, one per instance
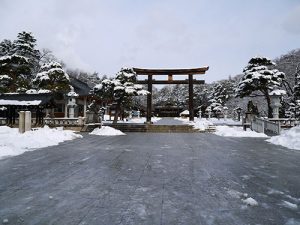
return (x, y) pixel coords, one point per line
(200, 113)
(239, 110)
(225, 109)
(275, 101)
(208, 112)
(138, 113)
(72, 102)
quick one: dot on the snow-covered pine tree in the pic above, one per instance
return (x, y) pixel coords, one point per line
(25, 46)
(120, 89)
(5, 47)
(259, 79)
(222, 91)
(14, 72)
(19, 61)
(53, 78)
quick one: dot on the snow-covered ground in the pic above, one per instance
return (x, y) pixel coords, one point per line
(203, 123)
(13, 143)
(107, 131)
(232, 131)
(200, 124)
(143, 120)
(288, 138)
(223, 121)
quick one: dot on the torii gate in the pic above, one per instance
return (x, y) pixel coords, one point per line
(170, 72)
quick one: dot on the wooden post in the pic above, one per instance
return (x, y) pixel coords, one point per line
(149, 100)
(191, 98)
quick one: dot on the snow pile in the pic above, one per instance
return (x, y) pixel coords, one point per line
(237, 132)
(289, 138)
(201, 124)
(14, 143)
(106, 131)
(289, 205)
(250, 201)
(143, 120)
(223, 121)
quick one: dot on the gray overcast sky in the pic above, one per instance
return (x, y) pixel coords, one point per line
(103, 36)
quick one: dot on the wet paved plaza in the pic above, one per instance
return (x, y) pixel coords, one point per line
(152, 178)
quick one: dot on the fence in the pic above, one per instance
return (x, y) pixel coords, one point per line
(50, 121)
(64, 121)
(265, 126)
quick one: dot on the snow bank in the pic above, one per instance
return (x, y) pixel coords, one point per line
(106, 131)
(143, 120)
(14, 143)
(288, 138)
(250, 201)
(200, 124)
(227, 131)
(222, 121)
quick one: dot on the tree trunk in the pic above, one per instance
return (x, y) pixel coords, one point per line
(117, 112)
(270, 110)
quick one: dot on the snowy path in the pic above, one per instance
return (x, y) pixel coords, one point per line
(152, 179)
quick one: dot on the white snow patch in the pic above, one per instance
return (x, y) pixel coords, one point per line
(143, 120)
(289, 205)
(14, 143)
(275, 192)
(107, 131)
(16, 102)
(292, 221)
(201, 124)
(278, 92)
(227, 131)
(288, 138)
(250, 201)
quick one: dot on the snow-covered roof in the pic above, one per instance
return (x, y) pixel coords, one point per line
(80, 87)
(185, 112)
(17, 102)
(25, 99)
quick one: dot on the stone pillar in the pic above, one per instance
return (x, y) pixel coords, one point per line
(21, 122)
(200, 113)
(84, 106)
(66, 109)
(27, 120)
(71, 112)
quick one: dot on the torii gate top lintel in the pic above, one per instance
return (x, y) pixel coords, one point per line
(140, 71)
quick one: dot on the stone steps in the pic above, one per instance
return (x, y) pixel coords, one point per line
(151, 128)
(171, 129)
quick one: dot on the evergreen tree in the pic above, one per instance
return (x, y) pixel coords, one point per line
(259, 76)
(18, 63)
(25, 46)
(120, 90)
(5, 47)
(14, 72)
(53, 78)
